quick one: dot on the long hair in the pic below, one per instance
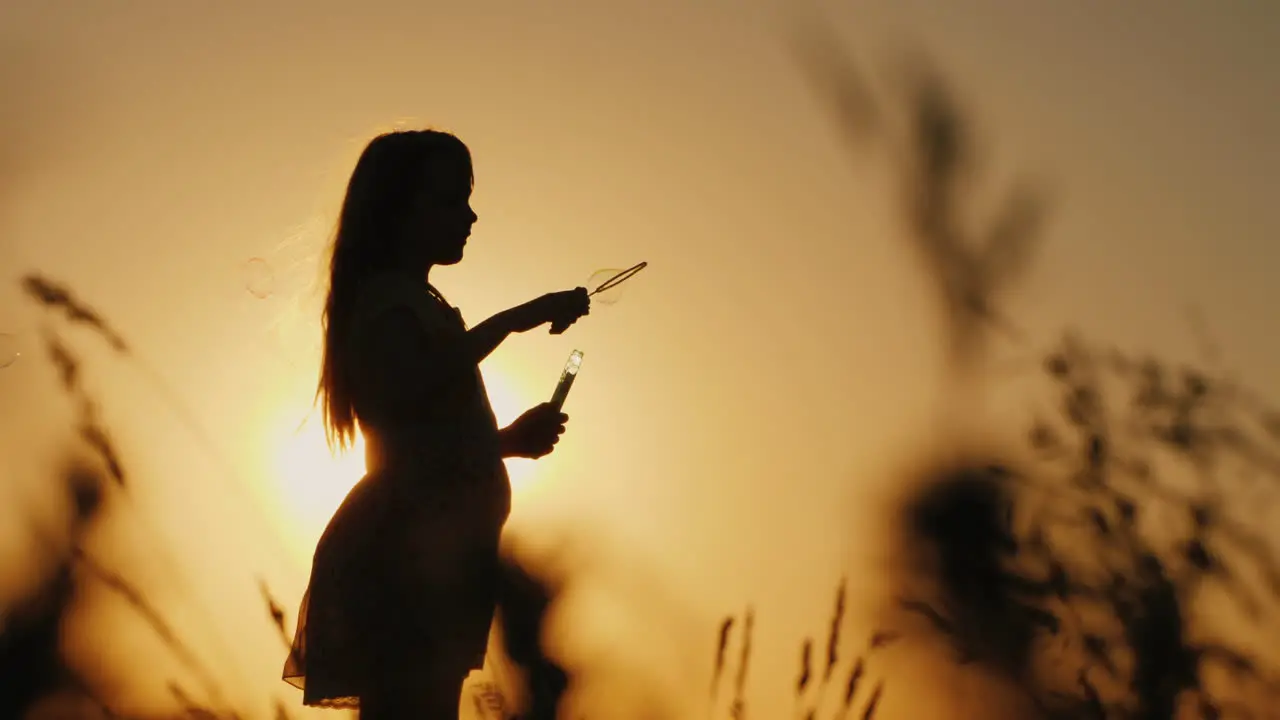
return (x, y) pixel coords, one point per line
(385, 185)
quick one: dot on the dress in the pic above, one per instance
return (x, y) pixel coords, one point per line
(404, 580)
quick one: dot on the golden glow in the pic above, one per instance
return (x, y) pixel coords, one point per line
(508, 402)
(315, 480)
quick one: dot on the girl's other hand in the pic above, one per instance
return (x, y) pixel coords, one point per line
(535, 433)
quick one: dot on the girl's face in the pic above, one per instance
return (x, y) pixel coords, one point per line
(443, 215)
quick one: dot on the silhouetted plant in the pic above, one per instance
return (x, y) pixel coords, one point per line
(522, 614)
(931, 149)
(1058, 549)
(30, 639)
(834, 672)
(1108, 539)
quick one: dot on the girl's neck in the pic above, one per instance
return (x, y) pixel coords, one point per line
(407, 260)
(405, 270)
(432, 288)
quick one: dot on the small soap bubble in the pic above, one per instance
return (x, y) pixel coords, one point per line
(9, 350)
(259, 279)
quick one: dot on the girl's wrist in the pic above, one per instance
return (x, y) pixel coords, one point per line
(504, 442)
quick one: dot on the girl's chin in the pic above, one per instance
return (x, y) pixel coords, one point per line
(451, 258)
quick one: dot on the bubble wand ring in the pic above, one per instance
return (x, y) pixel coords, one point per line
(618, 279)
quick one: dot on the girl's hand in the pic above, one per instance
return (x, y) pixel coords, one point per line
(574, 304)
(535, 433)
(561, 309)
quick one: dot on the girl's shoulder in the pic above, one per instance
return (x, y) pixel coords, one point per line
(390, 291)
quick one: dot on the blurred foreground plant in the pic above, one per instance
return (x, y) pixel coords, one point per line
(38, 678)
(1086, 577)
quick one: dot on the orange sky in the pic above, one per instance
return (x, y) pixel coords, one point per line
(776, 357)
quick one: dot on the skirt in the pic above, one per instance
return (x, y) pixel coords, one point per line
(404, 584)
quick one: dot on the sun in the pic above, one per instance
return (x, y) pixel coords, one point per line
(314, 480)
(508, 402)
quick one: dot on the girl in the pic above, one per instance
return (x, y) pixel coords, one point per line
(403, 582)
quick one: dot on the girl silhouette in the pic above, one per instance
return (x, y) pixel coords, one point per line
(404, 579)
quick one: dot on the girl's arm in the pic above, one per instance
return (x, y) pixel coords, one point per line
(484, 338)
(401, 366)
(559, 308)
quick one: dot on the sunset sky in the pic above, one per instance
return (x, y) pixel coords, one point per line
(766, 375)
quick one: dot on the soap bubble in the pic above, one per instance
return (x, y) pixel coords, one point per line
(259, 279)
(605, 285)
(9, 351)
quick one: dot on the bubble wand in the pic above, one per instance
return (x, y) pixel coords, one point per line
(618, 278)
(574, 363)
